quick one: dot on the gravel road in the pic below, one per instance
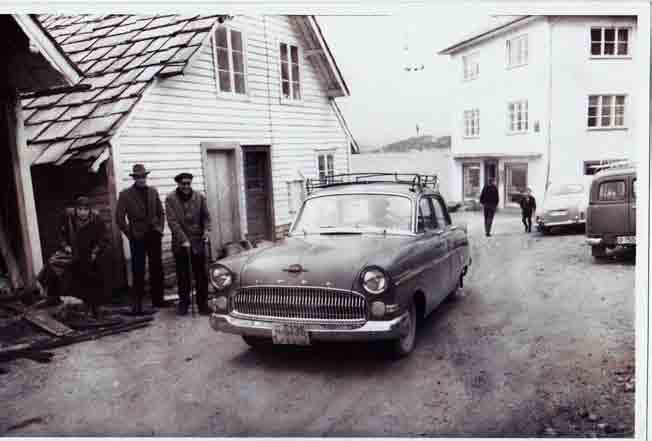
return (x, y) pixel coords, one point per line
(539, 343)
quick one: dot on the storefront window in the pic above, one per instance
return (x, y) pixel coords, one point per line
(516, 182)
(471, 180)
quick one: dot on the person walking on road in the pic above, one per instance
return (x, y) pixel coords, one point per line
(141, 206)
(189, 221)
(489, 200)
(528, 207)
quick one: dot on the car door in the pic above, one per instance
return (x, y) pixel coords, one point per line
(448, 234)
(433, 252)
(632, 207)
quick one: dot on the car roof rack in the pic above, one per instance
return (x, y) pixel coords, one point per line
(415, 180)
(616, 164)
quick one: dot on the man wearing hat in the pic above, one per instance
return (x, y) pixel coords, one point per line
(74, 269)
(140, 216)
(189, 222)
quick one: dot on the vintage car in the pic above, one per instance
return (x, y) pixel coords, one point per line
(564, 205)
(611, 215)
(367, 256)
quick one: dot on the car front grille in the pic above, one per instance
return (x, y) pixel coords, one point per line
(312, 304)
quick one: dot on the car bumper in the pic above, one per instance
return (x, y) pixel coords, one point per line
(593, 241)
(371, 330)
(559, 223)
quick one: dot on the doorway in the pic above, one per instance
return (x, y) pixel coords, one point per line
(258, 191)
(490, 171)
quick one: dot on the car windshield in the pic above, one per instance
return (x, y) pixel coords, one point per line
(355, 213)
(566, 189)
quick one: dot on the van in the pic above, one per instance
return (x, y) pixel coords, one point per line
(611, 213)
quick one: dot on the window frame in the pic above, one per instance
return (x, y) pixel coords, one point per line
(290, 99)
(444, 211)
(614, 106)
(472, 123)
(232, 94)
(602, 55)
(471, 59)
(428, 200)
(519, 102)
(326, 154)
(526, 58)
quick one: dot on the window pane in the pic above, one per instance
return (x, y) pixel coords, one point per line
(606, 100)
(595, 49)
(619, 120)
(295, 72)
(222, 59)
(329, 164)
(622, 48)
(284, 52)
(596, 34)
(236, 40)
(609, 48)
(634, 188)
(285, 75)
(609, 35)
(592, 122)
(593, 111)
(286, 89)
(623, 34)
(294, 54)
(239, 83)
(238, 62)
(296, 91)
(593, 100)
(225, 81)
(321, 163)
(620, 100)
(220, 37)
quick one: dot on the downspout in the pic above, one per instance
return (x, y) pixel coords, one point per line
(271, 126)
(549, 146)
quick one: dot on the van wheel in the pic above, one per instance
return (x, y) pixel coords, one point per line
(404, 345)
(598, 251)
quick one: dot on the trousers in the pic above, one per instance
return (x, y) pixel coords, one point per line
(183, 262)
(148, 248)
(489, 212)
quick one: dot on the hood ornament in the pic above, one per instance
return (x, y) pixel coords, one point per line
(295, 269)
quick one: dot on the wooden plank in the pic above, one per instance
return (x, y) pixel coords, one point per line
(15, 277)
(42, 319)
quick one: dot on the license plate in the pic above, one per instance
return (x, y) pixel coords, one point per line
(290, 335)
(558, 213)
(626, 240)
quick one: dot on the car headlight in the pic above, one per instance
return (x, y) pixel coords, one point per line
(374, 281)
(221, 277)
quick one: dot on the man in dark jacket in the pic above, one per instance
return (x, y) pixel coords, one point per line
(528, 206)
(75, 268)
(489, 200)
(144, 224)
(189, 222)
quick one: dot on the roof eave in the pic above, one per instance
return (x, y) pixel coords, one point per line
(450, 50)
(332, 64)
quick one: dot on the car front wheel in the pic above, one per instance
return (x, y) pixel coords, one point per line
(404, 345)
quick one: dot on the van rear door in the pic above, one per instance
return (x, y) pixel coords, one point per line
(609, 210)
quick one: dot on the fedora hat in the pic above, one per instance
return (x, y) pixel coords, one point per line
(139, 170)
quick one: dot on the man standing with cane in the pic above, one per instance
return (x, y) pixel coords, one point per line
(489, 200)
(189, 222)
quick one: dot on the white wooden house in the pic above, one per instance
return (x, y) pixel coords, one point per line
(244, 103)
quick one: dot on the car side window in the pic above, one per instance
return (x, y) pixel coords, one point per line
(634, 189)
(426, 218)
(440, 213)
(612, 191)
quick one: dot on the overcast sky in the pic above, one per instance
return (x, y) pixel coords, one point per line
(386, 101)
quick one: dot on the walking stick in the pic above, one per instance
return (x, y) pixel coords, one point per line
(192, 282)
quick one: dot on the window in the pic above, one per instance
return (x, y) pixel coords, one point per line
(611, 191)
(606, 111)
(290, 81)
(442, 219)
(472, 123)
(592, 167)
(325, 166)
(517, 116)
(517, 51)
(229, 53)
(516, 182)
(471, 180)
(426, 221)
(471, 66)
(634, 189)
(609, 42)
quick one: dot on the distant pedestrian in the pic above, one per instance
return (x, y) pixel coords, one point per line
(489, 200)
(75, 268)
(528, 207)
(144, 224)
(189, 222)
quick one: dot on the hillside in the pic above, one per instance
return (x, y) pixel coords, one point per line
(417, 143)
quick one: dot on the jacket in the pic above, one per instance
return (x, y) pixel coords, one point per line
(139, 219)
(84, 240)
(528, 204)
(188, 220)
(489, 195)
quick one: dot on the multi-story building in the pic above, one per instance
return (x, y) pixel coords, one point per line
(542, 100)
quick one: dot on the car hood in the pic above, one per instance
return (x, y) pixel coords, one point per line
(326, 260)
(564, 202)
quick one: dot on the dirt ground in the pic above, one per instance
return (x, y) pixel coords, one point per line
(539, 343)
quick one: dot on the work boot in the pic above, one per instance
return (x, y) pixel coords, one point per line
(182, 309)
(204, 310)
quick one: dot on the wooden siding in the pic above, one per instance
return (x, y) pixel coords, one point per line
(179, 113)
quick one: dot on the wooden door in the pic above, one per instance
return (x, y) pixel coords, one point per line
(258, 193)
(222, 198)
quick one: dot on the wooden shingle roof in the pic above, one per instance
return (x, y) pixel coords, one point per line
(118, 55)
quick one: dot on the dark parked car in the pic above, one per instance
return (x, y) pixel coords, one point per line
(367, 256)
(611, 215)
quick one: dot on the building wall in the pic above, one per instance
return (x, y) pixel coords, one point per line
(575, 76)
(180, 112)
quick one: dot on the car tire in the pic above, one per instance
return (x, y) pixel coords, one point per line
(404, 345)
(598, 251)
(257, 342)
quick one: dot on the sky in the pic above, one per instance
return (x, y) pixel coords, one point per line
(387, 102)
